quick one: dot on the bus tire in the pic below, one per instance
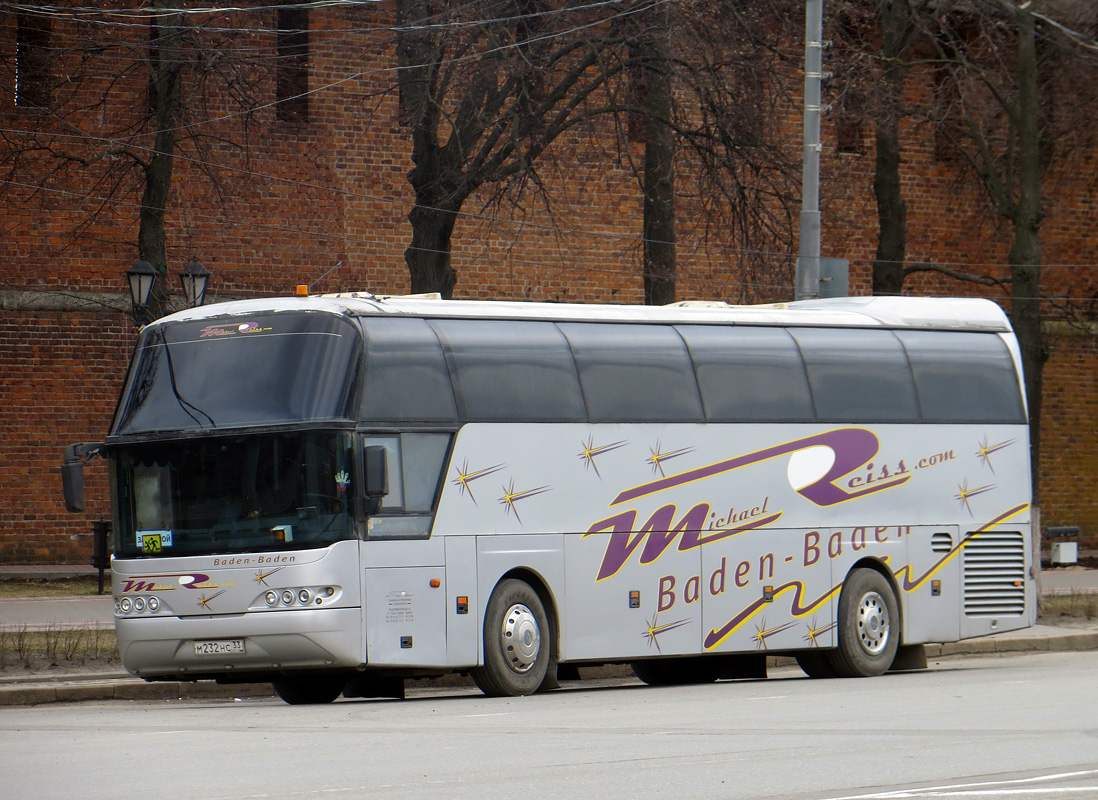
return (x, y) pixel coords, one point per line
(868, 626)
(679, 671)
(517, 642)
(815, 664)
(301, 690)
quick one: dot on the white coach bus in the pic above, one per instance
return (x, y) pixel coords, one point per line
(337, 493)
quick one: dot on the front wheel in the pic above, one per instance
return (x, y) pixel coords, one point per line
(517, 642)
(310, 690)
(869, 626)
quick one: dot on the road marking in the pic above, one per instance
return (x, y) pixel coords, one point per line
(977, 790)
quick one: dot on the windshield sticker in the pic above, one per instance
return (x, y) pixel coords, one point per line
(343, 480)
(232, 330)
(153, 541)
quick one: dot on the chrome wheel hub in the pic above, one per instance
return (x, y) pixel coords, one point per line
(873, 623)
(521, 638)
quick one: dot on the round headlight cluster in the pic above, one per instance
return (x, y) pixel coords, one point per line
(298, 598)
(138, 605)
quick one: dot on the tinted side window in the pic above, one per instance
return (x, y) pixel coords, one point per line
(749, 373)
(406, 374)
(414, 462)
(857, 375)
(634, 373)
(963, 377)
(511, 370)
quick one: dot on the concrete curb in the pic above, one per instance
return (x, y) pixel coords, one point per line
(120, 686)
(1065, 642)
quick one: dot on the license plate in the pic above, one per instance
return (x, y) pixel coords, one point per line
(216, 648)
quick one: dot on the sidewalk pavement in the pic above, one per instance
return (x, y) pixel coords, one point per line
(35, 688)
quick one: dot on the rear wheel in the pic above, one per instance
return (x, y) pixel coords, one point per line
(868, 626)
(516, 642)
(310, 690)
(679, 671)
(815, 664)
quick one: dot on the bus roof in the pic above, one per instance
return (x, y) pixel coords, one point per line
(952, 313)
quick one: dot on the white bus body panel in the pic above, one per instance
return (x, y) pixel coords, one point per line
(405, 613)
(738, 537)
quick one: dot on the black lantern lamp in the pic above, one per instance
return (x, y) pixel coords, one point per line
(194, 278)
(142, 275)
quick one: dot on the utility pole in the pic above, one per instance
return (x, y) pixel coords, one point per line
(808, 257)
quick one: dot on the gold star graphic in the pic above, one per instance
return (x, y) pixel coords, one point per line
(987, 449)
(512, 496)
(590, 451)
(465, 477)
(964, 494)
(653, 630)
(813, 634)
(762, 633)
(261, 577)
(658, 457)
(205, 601)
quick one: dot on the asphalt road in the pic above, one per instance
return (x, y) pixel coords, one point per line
(1018, 726)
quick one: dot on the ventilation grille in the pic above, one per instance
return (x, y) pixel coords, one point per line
(941, 542)
(995, 574)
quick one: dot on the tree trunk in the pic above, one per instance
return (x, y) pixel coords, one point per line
(659, 167)
(166, 63)
(1025, 255)
(428, 256)
(888, 266)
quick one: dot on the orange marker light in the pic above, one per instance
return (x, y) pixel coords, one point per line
(435, 583)
(302, 290)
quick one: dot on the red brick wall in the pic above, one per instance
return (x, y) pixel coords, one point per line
(60, 374)
(1069, 447)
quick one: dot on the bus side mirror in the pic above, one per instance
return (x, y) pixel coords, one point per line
(72, 473)
(377, 477)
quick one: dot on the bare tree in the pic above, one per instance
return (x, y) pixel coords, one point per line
(485, 89)
(1001, 62)
(735, 70)
(876, 43)
(186, 72)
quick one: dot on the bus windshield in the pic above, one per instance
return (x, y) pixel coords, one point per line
(234, 494)
(263, 369)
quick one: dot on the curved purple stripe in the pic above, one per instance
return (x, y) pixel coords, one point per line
(718, 635)
(853, 447)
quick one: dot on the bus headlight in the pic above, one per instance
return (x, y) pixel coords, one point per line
(125, 605)
(295, 597)
(154, 604)
(139, 604)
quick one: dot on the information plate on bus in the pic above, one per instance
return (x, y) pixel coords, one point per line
(216, 648)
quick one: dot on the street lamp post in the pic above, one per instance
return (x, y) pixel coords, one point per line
(194, 279)
(142, 276)
(808, 260)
